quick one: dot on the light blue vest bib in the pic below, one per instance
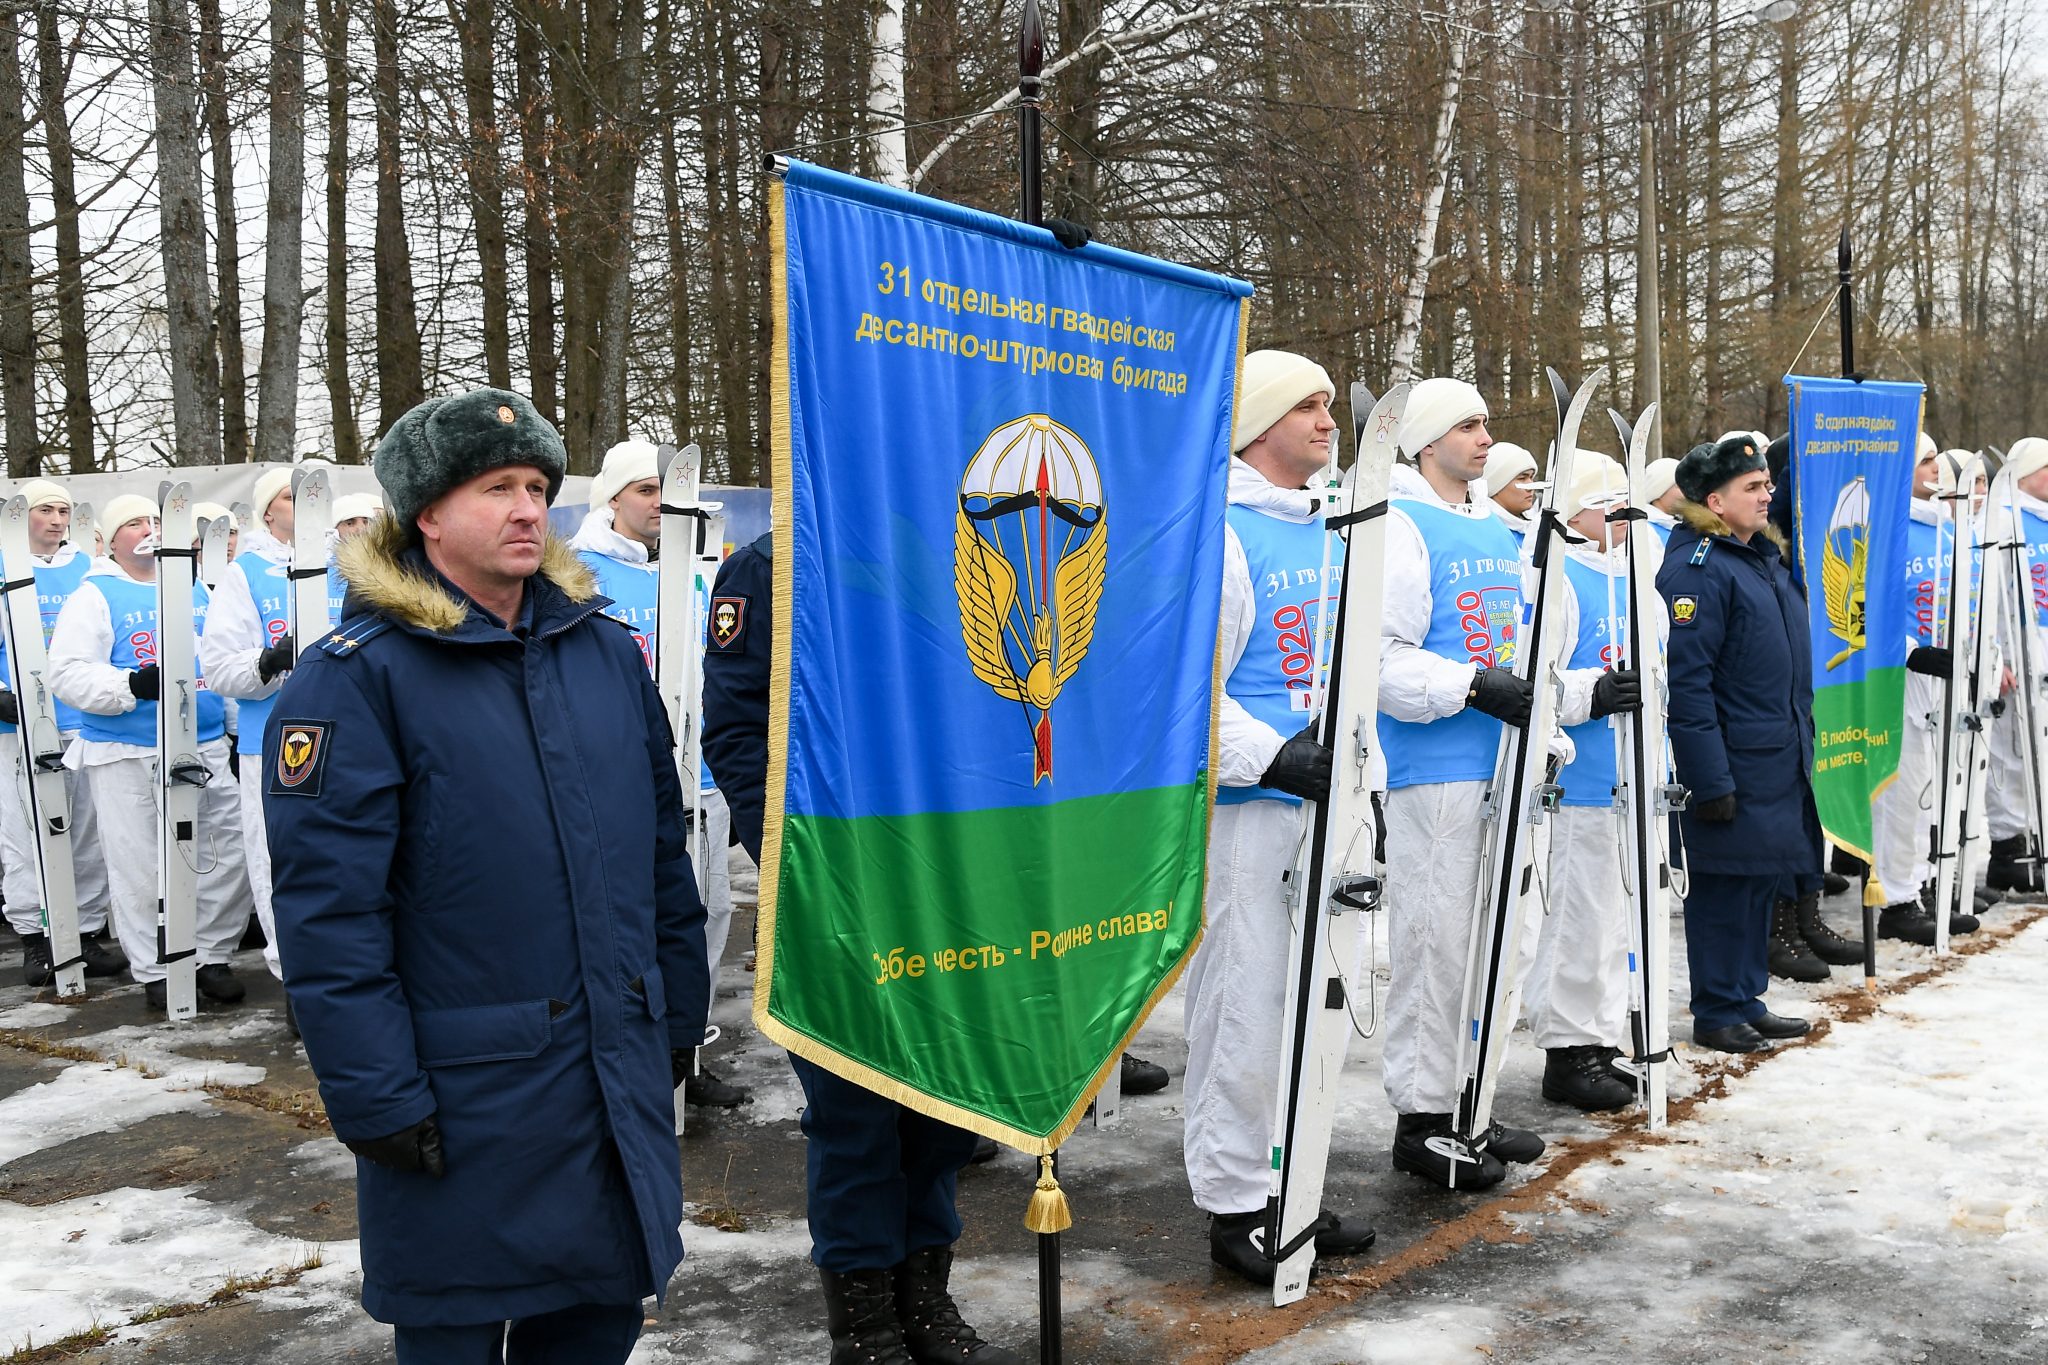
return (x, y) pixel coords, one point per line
(1588, 780)
(635, 590)
(1272, 677)
(270, 589)
(337, 593)
(1930, 560)
(54, 585)
(1475, 590)
(131, 607)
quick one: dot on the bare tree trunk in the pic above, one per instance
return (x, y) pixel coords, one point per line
(401, 381)
(885, 94)
(341, 400)
(543, 360)
(680, 420)
(227, 253)
(17, 307)
(284, 297)
(1790, 209)
(628, 139)
(1432, 208)
(72, 356)
(188, 297)
(482, 161)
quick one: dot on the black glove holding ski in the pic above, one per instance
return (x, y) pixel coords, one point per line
(146, 683)
(1502, 695)
(417, 1148)
(1930, 661)
(275, 660)
(10, 707)
(1620, 689)
(1301, 768)
(1719, 811)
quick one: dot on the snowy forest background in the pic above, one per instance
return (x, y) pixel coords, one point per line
(309, 217)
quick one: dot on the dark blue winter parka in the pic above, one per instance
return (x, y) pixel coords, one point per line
(486, 912)
(1741, 715)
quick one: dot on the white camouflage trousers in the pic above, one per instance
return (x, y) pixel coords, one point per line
(1578, 989)
(717, 879)
(256, 839)
(1902, 815)
(1236, 991)
(125, 796)
(19, 884)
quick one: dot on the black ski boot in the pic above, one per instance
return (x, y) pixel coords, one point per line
(37, 967)
(1237, 1242)
(217, 982)
(1827, 945)
(1136, 1076)
(1580, 1077)
(102, 958)
(2013, 867)
(1510, 1146)
(1613, 1059)
(1790, 958)
(932, 1327)
(1906, 922)
(1981, 900)
(714, 1091)
(1426, 1145)
(860, 1312)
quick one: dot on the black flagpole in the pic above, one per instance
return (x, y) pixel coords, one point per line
(1031, 208)
(1846, 291)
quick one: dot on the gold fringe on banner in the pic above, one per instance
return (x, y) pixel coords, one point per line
(1048, 1211)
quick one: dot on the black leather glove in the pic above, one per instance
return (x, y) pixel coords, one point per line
(1301, 768)
(275, 660)
(235, 757)
(1619, 689)
(146, 683)
(1502, 695)
(682, 1064)
(1933, 661)
(1068, 233)
(10, 707)
(1719, 811)
(417, 1148)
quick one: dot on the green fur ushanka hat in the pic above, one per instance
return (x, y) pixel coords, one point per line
(444, 442)
(1707, 467)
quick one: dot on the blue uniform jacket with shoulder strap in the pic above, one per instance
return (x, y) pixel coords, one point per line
(737, 638)
(487, 913)
(1741, 698)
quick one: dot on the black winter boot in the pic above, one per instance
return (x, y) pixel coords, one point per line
(1955, 922)
(1237, 1242)
(1906, 922)
(860, 1312)
(2013, 867)
(1426, 1145)
(1789, 955)
(932, 1328)
(1579, 1077)
(1820, 936)
(101, 957)
(37, 966)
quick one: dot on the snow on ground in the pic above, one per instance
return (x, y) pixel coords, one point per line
(82, 1099)
(103, 1259)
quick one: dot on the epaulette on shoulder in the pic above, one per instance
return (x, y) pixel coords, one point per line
(351, 635)
(1700, 551)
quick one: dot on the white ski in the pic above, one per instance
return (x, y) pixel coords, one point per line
(180, 770)
(1645, 794)
(84, 532)
(312, 519)
(42, 749)
(2025, 654)
(1332, 885)
(1964, 755)
(213, 550)
(1524, 789)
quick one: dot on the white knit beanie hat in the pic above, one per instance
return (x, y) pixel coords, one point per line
(1434, 407)
(626, 463)
(1660, 476)
(1271, 384)
(1505, 463)
(1927, 447)
(213, 511)
(2029, 455)
(42, 492)
(349, 506)
(124, 509)
(269, 484)
(1597, 481)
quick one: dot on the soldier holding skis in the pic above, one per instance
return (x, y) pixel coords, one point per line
(1274, 596)
(103, 662)
(880, 1180)
(1449, 637)
(59, 568)
(245, 653)
(618, 541)
(1578, 989)
(2014, 866)
(1741, 731)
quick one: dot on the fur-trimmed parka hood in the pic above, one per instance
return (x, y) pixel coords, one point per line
(1697, 516)
(389, 576)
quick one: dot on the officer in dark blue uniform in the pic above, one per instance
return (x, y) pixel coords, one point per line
(879, 1178)
(1741, 729)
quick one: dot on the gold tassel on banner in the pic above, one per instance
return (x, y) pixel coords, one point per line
(1048, 1211)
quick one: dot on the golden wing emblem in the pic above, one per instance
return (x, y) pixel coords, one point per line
(1077, 592)
(987, 588)
(1842, 583)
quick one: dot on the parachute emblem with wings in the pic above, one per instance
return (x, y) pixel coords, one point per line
(1844, 565)
(1031, 513)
